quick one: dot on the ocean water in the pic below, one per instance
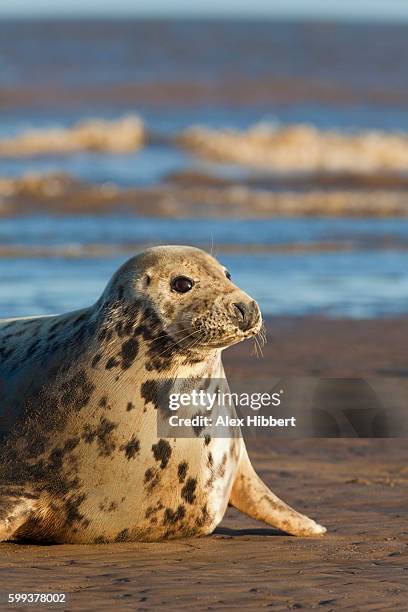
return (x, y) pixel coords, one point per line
(211, 234)
(90, 52)
(360, 286)
(221, 75)
(362, 282)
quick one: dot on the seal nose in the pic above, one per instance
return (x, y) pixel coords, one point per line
(245, 315)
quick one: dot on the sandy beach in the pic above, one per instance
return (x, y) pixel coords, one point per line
(356, 488)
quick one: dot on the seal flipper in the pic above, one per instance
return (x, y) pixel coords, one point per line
(16, 506)
(252, 497)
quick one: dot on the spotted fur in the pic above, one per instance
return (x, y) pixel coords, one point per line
(80, 399)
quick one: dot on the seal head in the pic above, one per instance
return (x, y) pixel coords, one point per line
(192, 295)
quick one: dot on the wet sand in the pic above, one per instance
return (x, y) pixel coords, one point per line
(357, 488)
(361, 564)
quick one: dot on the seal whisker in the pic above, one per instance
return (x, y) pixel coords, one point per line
(262, 335)
(258, 344)
(256, 349)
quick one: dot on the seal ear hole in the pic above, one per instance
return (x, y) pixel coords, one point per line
(228, 274)
(147, 280)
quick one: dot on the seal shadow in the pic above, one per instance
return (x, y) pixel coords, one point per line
(257, 531)
(31, 542)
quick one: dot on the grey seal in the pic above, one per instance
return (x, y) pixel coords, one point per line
(80, 458)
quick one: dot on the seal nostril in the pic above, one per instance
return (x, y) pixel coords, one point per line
(241, 310)
(245, 314)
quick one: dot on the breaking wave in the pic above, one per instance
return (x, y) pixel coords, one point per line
(61, 194)
(120, 136)
(301, 148)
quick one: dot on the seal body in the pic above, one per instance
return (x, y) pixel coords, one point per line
(80, 458)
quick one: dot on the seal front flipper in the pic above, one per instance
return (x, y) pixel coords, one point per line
(252, 497)
(16, 507)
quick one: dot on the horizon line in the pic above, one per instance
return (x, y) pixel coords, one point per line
(155, 16)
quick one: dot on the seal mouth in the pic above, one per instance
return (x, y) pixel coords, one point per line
(238, 336)
(254, 329)
(223, 327)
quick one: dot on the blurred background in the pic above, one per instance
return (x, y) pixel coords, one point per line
(275, 137)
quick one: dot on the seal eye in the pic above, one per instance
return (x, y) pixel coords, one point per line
(182, 284)
(228, 274)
